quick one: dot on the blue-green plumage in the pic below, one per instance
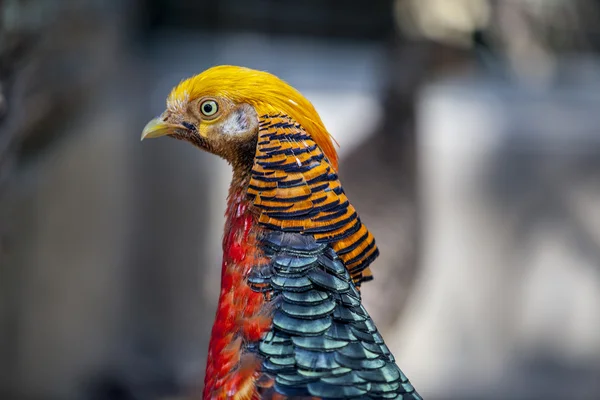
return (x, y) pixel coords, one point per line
(323, 343)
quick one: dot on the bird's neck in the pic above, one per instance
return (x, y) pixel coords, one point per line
(241, 317)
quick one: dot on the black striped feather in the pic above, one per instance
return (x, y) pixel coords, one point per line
(295, 188)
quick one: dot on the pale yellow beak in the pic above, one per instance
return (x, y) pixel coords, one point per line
(157, 128)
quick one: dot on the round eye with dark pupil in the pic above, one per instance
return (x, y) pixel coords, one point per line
(209, 108)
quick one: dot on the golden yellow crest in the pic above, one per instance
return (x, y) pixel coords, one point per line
(264, 91)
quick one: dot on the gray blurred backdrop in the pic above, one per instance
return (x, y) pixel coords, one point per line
(469, 136)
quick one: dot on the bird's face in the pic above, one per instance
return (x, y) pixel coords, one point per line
(220, 110)
(215, 124)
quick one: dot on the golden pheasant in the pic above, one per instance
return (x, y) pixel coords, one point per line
(289, 323)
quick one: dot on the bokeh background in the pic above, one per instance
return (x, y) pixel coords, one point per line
(469, 137)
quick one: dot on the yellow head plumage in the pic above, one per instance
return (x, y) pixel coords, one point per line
(263, 91)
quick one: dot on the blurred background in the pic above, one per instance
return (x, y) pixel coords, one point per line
(469, 138)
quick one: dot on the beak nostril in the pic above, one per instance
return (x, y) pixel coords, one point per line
(189, 126)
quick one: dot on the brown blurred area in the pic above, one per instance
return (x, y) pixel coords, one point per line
(470, 140)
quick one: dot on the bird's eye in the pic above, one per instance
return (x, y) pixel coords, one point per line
(209, 108)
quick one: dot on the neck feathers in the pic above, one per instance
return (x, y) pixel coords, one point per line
(295, 188)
